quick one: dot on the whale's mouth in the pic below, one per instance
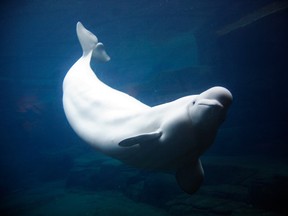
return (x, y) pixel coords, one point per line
(210, 103)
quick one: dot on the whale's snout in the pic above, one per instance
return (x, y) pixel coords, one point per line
(210, 107)
(220, 94)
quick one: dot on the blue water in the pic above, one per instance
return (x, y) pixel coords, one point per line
(160, 50)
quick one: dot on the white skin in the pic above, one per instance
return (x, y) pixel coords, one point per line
(167, 137)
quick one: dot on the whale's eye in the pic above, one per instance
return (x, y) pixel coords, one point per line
(193, 102)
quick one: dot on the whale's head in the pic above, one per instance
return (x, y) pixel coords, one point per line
(208, 110)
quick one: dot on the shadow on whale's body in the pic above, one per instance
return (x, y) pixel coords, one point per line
(170, 136)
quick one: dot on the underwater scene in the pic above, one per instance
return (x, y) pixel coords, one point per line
(183, 109)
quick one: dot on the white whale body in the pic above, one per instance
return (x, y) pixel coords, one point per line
(171, 136)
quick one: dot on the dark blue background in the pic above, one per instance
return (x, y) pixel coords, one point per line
(39, 45)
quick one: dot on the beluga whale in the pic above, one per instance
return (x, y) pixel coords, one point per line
(167, 137)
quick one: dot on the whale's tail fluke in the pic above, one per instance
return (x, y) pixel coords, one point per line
(89, 43)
